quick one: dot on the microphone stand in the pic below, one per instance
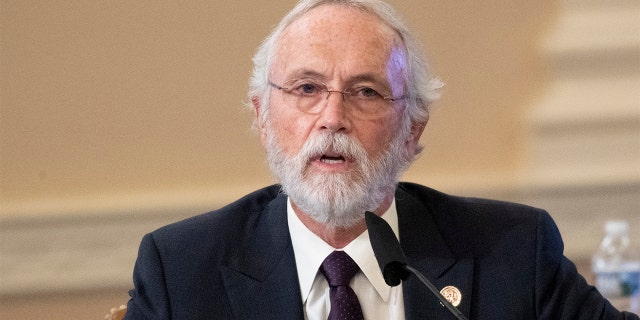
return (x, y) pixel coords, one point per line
(392, 261)
(435, 292)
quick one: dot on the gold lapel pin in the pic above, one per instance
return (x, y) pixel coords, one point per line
(452, 294)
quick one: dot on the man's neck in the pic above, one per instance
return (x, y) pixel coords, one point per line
(338, 237)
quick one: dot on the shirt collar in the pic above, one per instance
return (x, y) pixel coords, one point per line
(310, 251)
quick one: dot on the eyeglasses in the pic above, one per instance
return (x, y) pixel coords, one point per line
(307, 93)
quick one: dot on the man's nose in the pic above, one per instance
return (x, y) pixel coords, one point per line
(340, 93)
(334, 115)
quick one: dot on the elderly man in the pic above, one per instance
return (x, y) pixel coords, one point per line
(341, 98)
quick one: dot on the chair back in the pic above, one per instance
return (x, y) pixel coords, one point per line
(116, 313)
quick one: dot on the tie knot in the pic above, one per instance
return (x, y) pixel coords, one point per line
(339, 268)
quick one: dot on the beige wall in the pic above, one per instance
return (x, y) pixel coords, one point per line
(106, 103)
(129, 106)
(117, 117)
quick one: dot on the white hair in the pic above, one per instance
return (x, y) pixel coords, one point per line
(338, 200)
(422, 87)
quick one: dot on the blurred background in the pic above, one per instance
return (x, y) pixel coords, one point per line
(118, 117)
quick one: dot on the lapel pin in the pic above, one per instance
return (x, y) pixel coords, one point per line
(452, 294)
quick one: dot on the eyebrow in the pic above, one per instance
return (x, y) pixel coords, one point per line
(307, 73)
(368, 77)
(363, 77)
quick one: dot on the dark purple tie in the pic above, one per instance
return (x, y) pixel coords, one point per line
(339, 268)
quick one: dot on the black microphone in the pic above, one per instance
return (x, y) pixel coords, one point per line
(392, 261)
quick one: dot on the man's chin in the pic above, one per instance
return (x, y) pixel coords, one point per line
(342, 220)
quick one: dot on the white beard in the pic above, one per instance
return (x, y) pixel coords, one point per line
(338, 199)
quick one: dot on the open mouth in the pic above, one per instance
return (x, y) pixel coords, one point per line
(330, 159)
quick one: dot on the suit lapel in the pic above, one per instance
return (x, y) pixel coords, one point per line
(261, 279)
(261, 282)
(426, 251)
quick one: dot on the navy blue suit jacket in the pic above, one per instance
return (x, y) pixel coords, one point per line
(238, 263)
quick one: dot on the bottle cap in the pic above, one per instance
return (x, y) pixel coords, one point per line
(616, 227)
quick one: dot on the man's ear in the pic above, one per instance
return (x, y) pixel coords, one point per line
(255, 101)
(259, 124)
(413, 140)
(416, 132)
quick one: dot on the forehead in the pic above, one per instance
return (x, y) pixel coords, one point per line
(337, 41)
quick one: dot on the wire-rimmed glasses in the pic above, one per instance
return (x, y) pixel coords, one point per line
(306, 94)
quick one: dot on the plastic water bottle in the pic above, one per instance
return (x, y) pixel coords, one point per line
(617, 268)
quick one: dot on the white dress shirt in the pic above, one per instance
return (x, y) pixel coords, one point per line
(378, 300)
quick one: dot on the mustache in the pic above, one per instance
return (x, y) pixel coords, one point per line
(335, 143)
